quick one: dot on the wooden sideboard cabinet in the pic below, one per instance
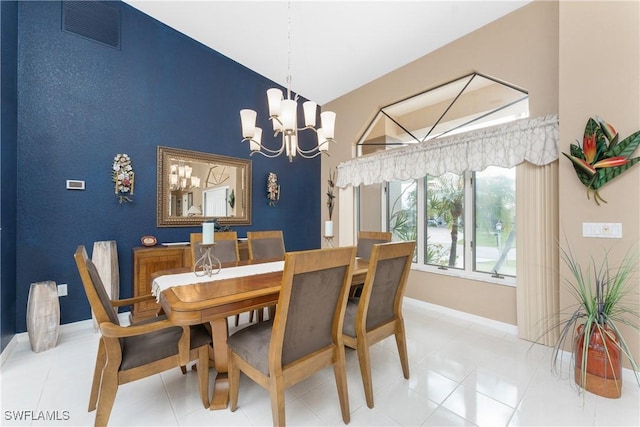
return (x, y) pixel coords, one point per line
(148, 260)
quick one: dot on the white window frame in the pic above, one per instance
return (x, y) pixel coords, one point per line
(469, 218)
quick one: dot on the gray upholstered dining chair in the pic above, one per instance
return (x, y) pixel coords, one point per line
(137, 351)
(366, 240)
(266, 245)
(377, 313)
(306, 334)
(225, 249)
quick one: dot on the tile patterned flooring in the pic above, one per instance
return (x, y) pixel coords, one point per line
(463, 372)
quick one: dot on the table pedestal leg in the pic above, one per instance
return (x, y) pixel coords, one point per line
(219, 333)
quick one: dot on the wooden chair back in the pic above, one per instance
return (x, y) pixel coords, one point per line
(306, 335)
(94, 288)
(312, 301)
(225, 249)
(366, 240)
(377, 313)
(266, 244)
(385, 284)
(130, 353)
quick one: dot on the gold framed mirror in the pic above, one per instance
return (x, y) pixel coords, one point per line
(194, 186)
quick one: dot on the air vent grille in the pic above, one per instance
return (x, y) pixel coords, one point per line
(92, 20)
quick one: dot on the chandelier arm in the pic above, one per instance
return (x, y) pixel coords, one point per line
(262, 147)
(271, 156)
(308, 128)
(313, 150)
(303, 154)
(277, 118)
(316, 131)
(276, 152)
(317, 148)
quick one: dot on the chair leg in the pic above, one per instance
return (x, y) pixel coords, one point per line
(276, 393)
(233, 374)
(251, 316)
(401, 342)
(237, 319)
(365, 369)
(203, 374)
(101, 360)
(355, 290)
(108, 390)
(340, 372)
(212, 360)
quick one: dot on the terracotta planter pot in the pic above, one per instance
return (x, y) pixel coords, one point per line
(604, 365)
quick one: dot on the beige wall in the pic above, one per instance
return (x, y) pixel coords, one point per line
(577, 59)
(521, 49)
(599, 75)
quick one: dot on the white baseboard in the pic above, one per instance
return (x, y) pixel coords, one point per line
(505, 327)
(8, 350)
(627, 374)
(21, 340)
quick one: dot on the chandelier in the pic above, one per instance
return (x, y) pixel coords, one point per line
(283, 114)
(180, 177)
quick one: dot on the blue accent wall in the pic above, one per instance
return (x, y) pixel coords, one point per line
(81, 102)
(8, 148)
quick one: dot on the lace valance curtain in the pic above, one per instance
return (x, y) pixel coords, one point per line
(533, 140)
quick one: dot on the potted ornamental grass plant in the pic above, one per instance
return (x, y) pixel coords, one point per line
(606, 299)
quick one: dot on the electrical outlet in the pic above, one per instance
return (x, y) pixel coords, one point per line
(62, 290)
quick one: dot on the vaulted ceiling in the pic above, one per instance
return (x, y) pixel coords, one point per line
(329, 47)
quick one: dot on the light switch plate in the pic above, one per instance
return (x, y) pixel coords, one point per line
(605, 230)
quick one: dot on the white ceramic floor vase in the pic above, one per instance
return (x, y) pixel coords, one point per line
(105, 258)
(43, 316)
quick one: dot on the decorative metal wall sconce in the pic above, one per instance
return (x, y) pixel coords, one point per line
(602, 157)
(122, 175)
(273, 189)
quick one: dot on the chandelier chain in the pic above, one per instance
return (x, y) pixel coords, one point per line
(283, 115)
(288, 49)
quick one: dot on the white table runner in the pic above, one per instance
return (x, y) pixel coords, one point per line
(167, 281)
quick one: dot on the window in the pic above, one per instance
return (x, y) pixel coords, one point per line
(445, 209)
(485, 200)
(463, 222)
(495, 216)
(402, 213)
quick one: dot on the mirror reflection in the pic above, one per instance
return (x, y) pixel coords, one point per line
(194, 186)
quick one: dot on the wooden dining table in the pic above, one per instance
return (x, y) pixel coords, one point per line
(214, 301)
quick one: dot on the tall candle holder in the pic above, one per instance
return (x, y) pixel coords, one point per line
(206, 264)
(329, 241)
